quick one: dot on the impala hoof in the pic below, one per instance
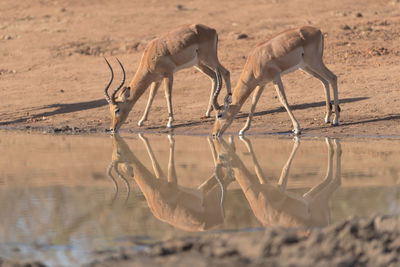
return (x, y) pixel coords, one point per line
(296, 132)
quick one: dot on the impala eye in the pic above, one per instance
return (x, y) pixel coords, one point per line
(219, 115)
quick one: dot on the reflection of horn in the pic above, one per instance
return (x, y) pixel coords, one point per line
(109, 174)
(118, 156)
(222, 187)
(122, 177)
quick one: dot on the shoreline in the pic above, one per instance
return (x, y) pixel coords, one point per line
(373, 241)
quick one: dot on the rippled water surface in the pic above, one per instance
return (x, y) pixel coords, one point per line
(64, 199)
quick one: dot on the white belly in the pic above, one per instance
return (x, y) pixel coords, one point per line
(296, 56)
(294, 68)
(188, 64)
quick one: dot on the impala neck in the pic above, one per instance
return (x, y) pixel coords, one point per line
(246, 84)
(139, 84)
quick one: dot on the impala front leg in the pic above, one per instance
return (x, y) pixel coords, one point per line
(153, 92)
(282, 97)
(168, 81)
(256, 97)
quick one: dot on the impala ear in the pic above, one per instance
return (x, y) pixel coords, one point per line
(126, 93)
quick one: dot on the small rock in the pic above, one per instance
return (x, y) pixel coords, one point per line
(359, 15)
(63, 9)
(242, 36)
(62, 91)
(345, 27)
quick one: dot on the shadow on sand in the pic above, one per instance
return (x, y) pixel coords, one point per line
(265, 112)
(60, 109)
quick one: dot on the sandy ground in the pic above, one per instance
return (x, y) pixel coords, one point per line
(52, 76)
(52, 73)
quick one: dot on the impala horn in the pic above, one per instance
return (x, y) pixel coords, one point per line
(219, 83)
(109, 100)
(122, 82)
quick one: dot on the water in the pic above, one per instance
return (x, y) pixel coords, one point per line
(65, 199)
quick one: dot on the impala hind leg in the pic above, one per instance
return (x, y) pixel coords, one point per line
(256, 97)
(168, 81)
(325, 73)
(327, 92)
(282, 97)
(283, 179)
(153, 91)
(172, 177)
(212, 75)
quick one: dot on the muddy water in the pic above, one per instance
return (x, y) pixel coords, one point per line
(65, 199)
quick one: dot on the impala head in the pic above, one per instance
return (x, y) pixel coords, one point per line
(119, 108)
(224, 119)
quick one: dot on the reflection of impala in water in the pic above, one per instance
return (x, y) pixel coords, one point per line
(190, 209)
(273, 204)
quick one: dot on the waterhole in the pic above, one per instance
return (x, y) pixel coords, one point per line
(64, 200)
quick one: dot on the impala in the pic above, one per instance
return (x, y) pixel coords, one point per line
(272, 203)
(190, 209)
(300, 48)
(183, 47)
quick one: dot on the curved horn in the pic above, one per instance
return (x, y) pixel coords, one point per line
(219, 83)
(122, 82)
(109, 100)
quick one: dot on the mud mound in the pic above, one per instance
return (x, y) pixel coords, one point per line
(356, 242)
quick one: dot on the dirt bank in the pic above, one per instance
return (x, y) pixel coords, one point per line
(355, 242)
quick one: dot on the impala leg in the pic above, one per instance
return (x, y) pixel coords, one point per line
(324, 72)
(285, 170)
(338, 175)
(256, 97)
(168, 81)
(327, 92)
(282, 97)
(153, 91)
(211, 74)
(320, 195)
(156, 166)
(328, 177)
(257, 167)
(171, 163)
